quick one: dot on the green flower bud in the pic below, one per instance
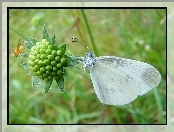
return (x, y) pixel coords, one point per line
(50, 57)
(50, 47)
(59, 52)
(37, 44)
(59, 72)
(49, 67)
(36, 20)
(55, 69)
(63, 60)
(57, 58)
(43, 41)
(46, 60)
(59, 65)
(49, 51)
(54, 52)
(53, 63)
(42, 51)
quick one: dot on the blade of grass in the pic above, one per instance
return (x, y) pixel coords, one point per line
(20, 34)
(159, 104)
(89, 32)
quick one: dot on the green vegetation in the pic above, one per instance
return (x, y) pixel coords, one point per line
(133, 34)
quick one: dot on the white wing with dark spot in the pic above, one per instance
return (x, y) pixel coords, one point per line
(118, 81)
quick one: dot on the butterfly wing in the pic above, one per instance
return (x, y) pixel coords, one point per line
(119, 81)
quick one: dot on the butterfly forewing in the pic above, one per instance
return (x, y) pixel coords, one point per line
(148, 77)
(111, 85)
(118, 81)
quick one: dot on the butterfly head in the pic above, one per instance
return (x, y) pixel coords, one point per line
(89, 60)
(90, 57)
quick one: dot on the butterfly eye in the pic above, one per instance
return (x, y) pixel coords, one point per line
(87, 54)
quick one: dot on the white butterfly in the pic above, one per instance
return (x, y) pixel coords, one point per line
(118, 81)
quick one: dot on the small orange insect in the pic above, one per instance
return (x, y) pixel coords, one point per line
(19, 49)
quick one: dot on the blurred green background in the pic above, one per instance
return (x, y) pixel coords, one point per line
(134, 34)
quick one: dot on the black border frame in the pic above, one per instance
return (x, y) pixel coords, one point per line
(8, 8)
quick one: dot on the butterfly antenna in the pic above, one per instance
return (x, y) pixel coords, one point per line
(80, 42)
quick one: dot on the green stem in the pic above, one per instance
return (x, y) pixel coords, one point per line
(159, 104)
(89, 31)
(20, 34)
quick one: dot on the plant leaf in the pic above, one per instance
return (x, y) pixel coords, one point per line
(47, 86)
(33, 40)
(45, 34)
(26, 55)
(29, 44)
(36, 81)
(63, 48)
(25, 65)
(65, 74)
(73, 60)
(53, 40)
(60, 83)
